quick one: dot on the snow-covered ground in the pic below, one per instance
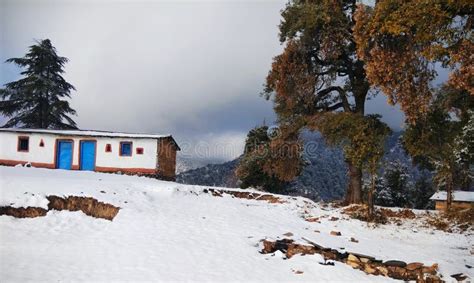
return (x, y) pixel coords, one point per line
(171, 232)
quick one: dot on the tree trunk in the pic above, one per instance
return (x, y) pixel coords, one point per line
(449, 192)
(354, 190)
(370, 198)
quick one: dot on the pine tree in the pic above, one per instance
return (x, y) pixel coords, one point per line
(396, 186)
(251, 167)
(421, 192)
(436, 140)
(38, 99)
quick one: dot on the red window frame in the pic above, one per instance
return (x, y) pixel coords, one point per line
(18, 143)
(139, 150)
(108, 147)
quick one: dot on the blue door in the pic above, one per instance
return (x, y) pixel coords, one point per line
(64, 155)
(87, 155)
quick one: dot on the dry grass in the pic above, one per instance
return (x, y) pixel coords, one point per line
(455, 219)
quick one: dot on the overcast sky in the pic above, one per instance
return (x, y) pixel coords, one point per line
(194, 69)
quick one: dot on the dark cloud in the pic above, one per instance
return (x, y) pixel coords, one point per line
(194, 69)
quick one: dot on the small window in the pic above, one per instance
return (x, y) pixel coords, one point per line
(41, 143)
(139, 150)
(108, 147)
(126, 148)
(23, 144)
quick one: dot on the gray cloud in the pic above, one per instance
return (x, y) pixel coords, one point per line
(193, 69)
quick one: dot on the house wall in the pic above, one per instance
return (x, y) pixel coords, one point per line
(145, 163)
(441, 205)
(167, 159)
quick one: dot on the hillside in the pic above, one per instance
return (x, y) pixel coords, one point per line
(323, 178)
(166, 231)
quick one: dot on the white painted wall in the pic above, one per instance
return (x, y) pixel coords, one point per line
(46, 154)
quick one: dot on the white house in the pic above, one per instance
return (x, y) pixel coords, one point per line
(101, 151)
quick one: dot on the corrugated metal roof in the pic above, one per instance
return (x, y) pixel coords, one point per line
(457, 196)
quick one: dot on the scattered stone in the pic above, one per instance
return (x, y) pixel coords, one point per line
(395, 269)
(288, 234)
(353, 258)
(354, 264)
(395, 263)
(383, 270)
(297, 271)
(294, 249)
(430, 269)
(370, 270)
(354, 240)
(317, 231)
(333, 218)
(312, 219)
(364, 260)
(414, 266)
(103, 192)
(335, 233)
(459, 276)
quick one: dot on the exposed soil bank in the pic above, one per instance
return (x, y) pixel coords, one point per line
(89, 206)
(22, 212)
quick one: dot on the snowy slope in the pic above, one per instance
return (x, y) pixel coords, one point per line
(172, 232)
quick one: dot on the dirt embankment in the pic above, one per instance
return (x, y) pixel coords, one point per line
(88, 205)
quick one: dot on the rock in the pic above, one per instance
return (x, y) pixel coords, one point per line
(430, 269)
(317, 231)
(354, 264)
(268, 247)
(335, 233)
(294, 249)
(396, 272)
(433, 279)
(414, 266)
(369, 269)
(288, 234)
(298, 271)
(312, 219)
(459, 276)
(329, 255)
(333, 218)
(364, 260)
(396, 263)
(383, 270)
(353, 258)
(354, 240)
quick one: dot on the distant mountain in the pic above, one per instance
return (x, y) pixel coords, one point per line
(323, 178)
(184, 163)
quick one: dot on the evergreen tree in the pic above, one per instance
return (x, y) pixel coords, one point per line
(251, 167)
(396, 186)
(437, 142)
(38, 99)
(422, 191)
